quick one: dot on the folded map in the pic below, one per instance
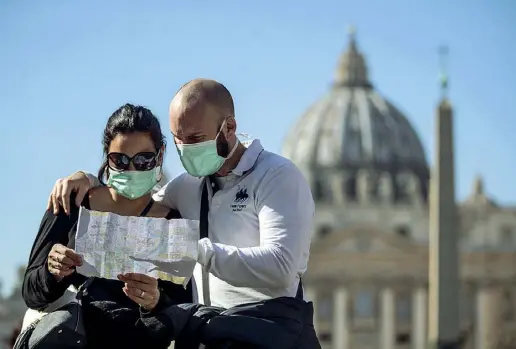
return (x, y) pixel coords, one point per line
(111, 244)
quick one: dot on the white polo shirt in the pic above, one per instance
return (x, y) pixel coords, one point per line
(260, 224)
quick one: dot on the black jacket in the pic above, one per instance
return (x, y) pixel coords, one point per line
(280, 323)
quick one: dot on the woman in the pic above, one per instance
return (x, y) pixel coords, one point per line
(133, 146)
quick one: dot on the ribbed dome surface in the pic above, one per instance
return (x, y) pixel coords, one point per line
(353, 126)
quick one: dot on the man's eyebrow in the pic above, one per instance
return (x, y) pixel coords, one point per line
(192, 135)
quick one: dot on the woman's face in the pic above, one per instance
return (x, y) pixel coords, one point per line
(133, 152)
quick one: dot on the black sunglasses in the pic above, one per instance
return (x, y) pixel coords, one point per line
(144, 161)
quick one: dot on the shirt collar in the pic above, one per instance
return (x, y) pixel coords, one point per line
(248, 159)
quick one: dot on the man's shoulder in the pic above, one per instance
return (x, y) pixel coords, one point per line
(272, 163)
(179, 187)
(282, 181)
(182, 182)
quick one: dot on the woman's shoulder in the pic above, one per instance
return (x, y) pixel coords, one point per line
(99, 198)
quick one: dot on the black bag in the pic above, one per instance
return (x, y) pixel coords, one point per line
(62, 328)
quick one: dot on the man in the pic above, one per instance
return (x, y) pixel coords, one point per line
(260, 218)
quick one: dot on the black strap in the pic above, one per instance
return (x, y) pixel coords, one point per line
(299, 293)
(205, 204)
(147, 208)
(205, 208)
(203, 218)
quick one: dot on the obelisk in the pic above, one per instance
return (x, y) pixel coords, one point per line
(443, 331)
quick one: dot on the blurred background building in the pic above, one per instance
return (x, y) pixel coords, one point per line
(368, 271)
(12, 309)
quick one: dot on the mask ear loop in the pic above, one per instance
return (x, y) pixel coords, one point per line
(244, 135)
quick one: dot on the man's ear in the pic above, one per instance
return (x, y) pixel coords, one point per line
(231, 126)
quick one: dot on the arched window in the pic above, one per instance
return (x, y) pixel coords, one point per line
(401, 188)
(351, 188)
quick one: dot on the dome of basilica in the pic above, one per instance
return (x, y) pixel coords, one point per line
(355, 143)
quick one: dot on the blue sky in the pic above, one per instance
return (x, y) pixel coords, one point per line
(66, 65)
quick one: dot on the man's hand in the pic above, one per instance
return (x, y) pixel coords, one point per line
(60, 196)
(62, 261)
(142, 289)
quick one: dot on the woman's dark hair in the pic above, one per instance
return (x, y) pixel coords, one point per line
(128, 119)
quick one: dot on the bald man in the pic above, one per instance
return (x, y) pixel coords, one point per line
(260, 205)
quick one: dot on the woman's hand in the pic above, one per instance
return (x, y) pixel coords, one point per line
(141, 288)
(61, 261)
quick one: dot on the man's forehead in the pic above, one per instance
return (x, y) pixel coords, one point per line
(189, 121)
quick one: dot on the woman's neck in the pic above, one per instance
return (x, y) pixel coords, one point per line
(128, 207)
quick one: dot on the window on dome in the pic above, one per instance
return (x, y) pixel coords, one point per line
(321, 191)
(401, 189)
(318, 190)
(351, 188)
(373, 186)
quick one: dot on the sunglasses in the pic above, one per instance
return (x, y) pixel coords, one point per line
(144, 161)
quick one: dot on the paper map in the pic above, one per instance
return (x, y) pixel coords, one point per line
(111, 244)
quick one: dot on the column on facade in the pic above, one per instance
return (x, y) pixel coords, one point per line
(419, 318)
(387, 319)
(488, 317)
(340, 332)
(311, 296)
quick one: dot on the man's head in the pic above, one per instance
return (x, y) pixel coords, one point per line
(202, 112)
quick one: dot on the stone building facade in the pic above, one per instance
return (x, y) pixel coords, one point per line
(368, 271)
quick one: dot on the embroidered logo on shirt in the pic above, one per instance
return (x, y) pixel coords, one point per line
(241, 198)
